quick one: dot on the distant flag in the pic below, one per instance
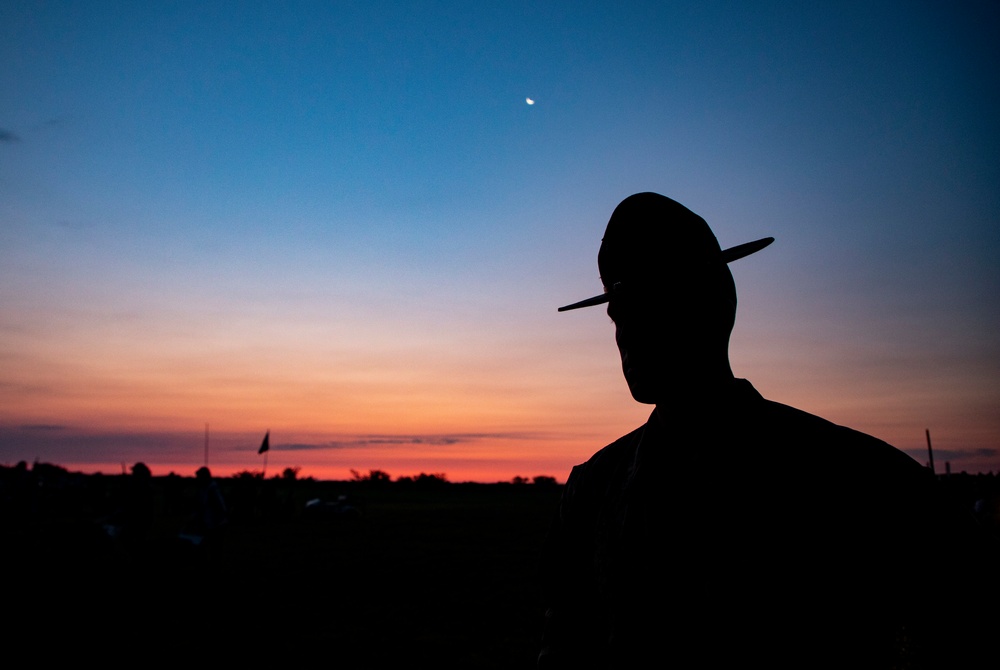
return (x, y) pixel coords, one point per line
(266, 444)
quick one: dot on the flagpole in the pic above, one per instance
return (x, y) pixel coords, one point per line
(930, 452)
(206, 445)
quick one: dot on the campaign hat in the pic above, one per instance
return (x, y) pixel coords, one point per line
(651, 238)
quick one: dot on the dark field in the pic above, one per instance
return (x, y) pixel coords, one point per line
(423, 575)
(418, 574)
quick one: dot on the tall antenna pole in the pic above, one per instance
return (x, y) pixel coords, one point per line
(206, 445)
(930, 452)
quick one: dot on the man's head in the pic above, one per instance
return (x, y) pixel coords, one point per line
(670, 293)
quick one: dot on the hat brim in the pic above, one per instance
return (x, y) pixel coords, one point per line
(728, 256)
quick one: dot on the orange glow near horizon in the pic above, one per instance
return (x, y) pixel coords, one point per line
(471, 415)
(468, 414)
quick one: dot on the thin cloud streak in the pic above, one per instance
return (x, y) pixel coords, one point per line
(67, 444)
(445, 439)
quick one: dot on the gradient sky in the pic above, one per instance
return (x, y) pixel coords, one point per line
(342, 222)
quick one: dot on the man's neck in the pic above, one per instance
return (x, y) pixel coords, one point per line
(704, 395)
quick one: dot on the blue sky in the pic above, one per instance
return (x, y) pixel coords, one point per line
(342, 220)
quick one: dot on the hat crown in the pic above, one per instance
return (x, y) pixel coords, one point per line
(650, 234)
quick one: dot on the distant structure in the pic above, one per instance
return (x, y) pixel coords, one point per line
(930, 452)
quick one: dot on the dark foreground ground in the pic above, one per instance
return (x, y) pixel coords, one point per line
(441, 575)
(423, 574)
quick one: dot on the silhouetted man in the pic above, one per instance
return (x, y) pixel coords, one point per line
(210, 518)
(729, 530)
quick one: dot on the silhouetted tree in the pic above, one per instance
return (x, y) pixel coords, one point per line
(373, 476)
(435, 479)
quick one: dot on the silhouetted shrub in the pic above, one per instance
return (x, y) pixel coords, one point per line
(373, 477)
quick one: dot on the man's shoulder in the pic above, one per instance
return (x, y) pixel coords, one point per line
(608, 465)
(812, 434)
(618, 452)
